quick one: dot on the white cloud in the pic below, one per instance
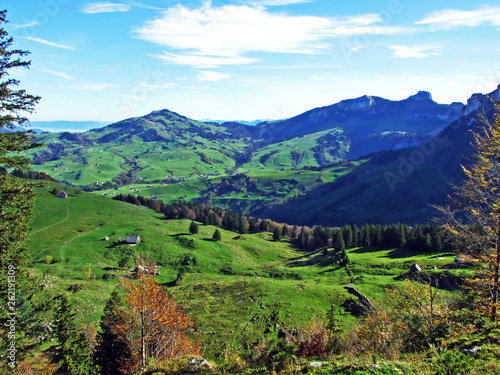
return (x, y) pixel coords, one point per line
(105, 7)
(277, 2)
(413, 51)
(211, 36)
(202, 61)
(211, 76)
(29, 24)
(58, 74)
(450, 18)
(91, 86)
(158, 85)
(43, 41)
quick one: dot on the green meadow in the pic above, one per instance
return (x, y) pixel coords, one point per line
(239, 290)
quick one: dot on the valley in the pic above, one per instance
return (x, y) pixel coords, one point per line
(297, 248)
(268, 168)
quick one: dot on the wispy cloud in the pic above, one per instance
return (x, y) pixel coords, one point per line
(202, 61)
(90, 86)
(157, 85)
(211, 76)
(53, 44)
(413, 51)
(451, 18)
(105, 7)
(56, 73)
(211, 36)
(28, 24)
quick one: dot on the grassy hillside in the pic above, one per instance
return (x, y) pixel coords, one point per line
(167, 156)
(239, 290)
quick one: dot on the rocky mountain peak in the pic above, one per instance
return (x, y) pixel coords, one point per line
(358, 104)
(477, 101)
(421, 95)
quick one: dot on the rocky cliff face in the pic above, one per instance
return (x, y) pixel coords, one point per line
(477, 101)
(366, 118)
(399, 185)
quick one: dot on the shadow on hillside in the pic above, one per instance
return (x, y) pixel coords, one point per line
(322, 258)
(366, 249)
(115, 244)
(397, 253)
(179, 234)
(111, 269)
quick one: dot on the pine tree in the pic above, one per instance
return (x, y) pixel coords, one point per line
(303, 238)
(113, 351)
(17, 196)
(217, 235)
(338, 241)
(264, 226)
(277, 234)
(347, 235)
(72, 351)
(242, 225)
(285, 231)
(194, 228)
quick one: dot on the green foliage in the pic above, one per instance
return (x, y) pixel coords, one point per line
(113, 351)
(452, 362)
(277, 234)
(217, 235)
(194, 228)
(73, 354)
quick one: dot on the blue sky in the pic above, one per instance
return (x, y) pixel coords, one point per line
(248, 59)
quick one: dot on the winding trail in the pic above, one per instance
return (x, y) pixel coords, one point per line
(68, 213)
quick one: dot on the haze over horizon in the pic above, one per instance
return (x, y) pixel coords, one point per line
(248, 59)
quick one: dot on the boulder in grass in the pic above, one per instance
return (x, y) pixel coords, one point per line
(415, 268)
(197, 364)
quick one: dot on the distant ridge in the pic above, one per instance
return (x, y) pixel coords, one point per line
(68, 126)
(397, 185)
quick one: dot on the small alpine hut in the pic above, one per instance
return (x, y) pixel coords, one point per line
(62, 194)
(133, 240)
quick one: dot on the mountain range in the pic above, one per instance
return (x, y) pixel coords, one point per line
(367, 159)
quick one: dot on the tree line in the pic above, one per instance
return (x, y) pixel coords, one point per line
(423, 238)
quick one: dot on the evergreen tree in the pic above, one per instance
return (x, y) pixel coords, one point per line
(17, 197)
(254, 224)
(355, 236)
(364, 236)
(217, 235)
(321, 235)
(437, 243)
(303, 238)
(285, 231)
(194, 228)
(375, 235)
(294, 233)
(338, 241)
(264, 226)
(113, 352)
(72, 351)
(242, 225)
(277, 234)
(347, 235)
